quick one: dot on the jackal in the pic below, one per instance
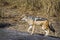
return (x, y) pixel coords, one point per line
(32, 21)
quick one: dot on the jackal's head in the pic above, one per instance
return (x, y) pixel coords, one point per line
(24, 18)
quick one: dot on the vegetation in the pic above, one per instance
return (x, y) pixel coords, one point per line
(11, 11)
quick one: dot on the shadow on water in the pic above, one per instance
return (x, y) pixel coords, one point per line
(54, 37)
(4, 25)
(49, 36)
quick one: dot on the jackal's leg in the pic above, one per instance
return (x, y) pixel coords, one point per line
(29, 28)
(33, 29)
(46, 29)
(47, 32)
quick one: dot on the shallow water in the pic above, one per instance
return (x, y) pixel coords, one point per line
(6, 34)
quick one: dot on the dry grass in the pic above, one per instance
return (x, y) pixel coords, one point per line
(11, 11)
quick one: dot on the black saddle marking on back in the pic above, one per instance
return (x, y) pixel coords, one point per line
(41, 19)
(37, 18)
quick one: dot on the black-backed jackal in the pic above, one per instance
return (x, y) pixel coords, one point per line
(32, 21)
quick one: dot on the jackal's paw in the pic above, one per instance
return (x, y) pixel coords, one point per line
(46, 35)
(31, 33)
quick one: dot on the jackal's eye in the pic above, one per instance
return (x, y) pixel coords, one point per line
(23, 18)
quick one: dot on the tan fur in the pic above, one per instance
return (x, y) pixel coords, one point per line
(45, 25)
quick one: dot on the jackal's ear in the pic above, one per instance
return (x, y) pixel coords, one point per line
(23, 15)
(27, 14)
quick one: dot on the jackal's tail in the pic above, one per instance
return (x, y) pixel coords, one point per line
(51, 28)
